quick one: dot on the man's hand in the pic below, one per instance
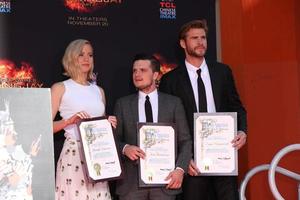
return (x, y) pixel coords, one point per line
(176, 177)
(193, 169)
(134, 152)
(239, 140)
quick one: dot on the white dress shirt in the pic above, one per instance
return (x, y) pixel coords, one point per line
(192, 71)
(153, 97)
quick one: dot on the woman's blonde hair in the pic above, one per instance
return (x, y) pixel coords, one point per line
(70, 59)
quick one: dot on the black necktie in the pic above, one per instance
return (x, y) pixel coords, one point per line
(201, 93)
(148, 110)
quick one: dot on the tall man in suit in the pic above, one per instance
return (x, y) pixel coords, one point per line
(210, 89)
(165, 108)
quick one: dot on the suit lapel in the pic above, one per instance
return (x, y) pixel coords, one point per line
(215, 83)
(161, 108)
(187, 86)
(134, 108)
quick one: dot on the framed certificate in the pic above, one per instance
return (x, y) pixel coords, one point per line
(99, 149)
(158, 141)
(213, 151)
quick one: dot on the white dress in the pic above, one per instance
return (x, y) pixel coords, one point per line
(71, 181)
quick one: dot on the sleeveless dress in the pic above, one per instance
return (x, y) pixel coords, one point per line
(71, 181)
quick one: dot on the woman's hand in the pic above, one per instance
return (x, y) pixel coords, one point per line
(112, 120)
(35, 146)
(76, 117)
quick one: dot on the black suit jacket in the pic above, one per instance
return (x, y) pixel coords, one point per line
(177, 82)
(170, 110)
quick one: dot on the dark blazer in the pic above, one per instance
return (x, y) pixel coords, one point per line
(226, 97)
(170, 110)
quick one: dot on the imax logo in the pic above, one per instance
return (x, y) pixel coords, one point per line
(5, 6)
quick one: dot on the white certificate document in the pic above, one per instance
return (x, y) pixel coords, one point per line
(99, 149)
(213, 151)
(158, 142)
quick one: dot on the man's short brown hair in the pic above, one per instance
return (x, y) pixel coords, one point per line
(155, 64)
(200, 23)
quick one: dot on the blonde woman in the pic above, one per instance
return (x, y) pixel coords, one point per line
(77, 98)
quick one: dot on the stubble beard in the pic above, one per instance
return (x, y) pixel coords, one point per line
(193, 53)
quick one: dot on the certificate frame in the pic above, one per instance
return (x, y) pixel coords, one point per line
(101, 157)
(213, 151)
(160, 136)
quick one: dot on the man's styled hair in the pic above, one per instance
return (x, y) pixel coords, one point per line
(201, 23)
(155, 64)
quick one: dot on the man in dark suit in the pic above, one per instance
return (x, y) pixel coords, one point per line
(210, 89)
(164, 108)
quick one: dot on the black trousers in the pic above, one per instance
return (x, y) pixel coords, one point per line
(210, 188)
